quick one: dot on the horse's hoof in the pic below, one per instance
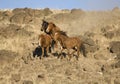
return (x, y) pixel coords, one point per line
(40, 58)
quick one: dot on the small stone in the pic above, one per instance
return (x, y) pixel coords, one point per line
(27, 82)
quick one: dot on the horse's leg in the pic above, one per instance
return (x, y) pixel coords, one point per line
(69, 54)
(73, 52)
(42, 53)
(53, 44)
(56, 47)
(47, 50)
(59, 55)
(78, 50)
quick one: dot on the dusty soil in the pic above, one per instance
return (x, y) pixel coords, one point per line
(19, 28)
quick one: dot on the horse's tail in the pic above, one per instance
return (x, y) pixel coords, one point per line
(84, 42)
(82, 48)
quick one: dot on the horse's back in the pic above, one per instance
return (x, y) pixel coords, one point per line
(45, 40)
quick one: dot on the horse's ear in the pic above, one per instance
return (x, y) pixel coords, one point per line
(54, 25)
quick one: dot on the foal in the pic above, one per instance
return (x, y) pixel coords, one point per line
(45, 42)
(68, 43)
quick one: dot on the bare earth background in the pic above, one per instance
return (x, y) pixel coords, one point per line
(20, 27)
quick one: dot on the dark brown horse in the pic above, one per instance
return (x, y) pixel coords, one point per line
(45, 42)
(69, 43)
(50, 28)
(44, 26)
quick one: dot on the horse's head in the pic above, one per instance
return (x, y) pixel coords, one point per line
(44, 25)
(50, 27)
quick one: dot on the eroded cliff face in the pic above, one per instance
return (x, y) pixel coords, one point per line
(20, 27)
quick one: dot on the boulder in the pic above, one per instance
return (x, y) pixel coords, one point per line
(110, 32)
(114, 47)
(89, 44)
(109, 35)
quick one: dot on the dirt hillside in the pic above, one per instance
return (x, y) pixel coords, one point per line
(20, 27)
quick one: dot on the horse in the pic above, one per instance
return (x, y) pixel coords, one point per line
(68, 43)
(45, 42)
(50, 28)
(44, 25)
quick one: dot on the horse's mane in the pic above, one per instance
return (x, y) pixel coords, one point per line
(52, 23)
(62, 32)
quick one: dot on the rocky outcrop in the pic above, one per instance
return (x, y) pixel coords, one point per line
(90, 45)
(27, 15)
(114, 47)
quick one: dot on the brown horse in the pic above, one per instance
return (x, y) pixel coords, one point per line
(45, 42)
(69, 43)
(50, 28)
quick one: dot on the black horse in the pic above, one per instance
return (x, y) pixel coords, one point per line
(38, 52)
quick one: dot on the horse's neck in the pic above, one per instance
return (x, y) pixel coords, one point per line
(54, 30)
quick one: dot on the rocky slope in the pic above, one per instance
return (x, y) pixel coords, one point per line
(20, 27)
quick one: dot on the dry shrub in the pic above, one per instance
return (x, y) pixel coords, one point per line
(7, 56)
(21, 18)
(14, 30)
(5, 15)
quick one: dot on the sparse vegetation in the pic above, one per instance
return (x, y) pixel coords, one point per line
(20, 27)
